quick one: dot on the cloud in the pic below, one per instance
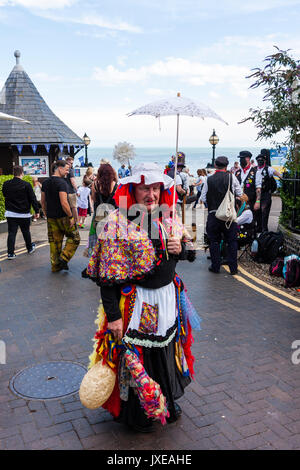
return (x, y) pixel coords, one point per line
(159, 92)
(93, 19)
(263, 44)
(214, 95)
(44, 77)
(192, 9)
(102, 123)
(191, 72)
(121, 60)
(97, 35)
(39, 4)
(247, 50)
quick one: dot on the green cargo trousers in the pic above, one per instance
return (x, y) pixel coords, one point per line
(57, 230)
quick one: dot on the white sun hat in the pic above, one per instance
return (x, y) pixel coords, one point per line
(151, 173)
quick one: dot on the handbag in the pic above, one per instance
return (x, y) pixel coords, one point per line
(226, 210)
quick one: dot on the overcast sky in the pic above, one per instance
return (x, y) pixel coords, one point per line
(94, 61)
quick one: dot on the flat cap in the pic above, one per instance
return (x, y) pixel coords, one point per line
(245, 153)
(221, 162)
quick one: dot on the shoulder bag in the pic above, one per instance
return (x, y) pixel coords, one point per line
(226, 210)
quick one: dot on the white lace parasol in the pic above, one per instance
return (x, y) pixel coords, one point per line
(177, 105)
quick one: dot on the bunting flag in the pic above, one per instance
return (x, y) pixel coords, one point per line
(34, 148)
(61, 148)
(20, 148)
(80, 160)
(47, 147)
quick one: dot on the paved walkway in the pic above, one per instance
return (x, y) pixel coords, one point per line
(246, 394)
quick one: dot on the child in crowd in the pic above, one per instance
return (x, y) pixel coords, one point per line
(202, 177)
(38, 194)
(83, 199)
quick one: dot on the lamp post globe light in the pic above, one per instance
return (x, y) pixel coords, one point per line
(87, 142)
(213, 140)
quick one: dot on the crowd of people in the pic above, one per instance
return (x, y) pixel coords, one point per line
(256, 181)
(145, 316)
(252, 185)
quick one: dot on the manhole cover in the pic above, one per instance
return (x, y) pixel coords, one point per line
(47, 381)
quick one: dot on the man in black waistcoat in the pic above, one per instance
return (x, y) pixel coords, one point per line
(267, 184)
(213, 193)
(246, 176)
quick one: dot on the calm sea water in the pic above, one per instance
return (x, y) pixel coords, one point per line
(194, 157)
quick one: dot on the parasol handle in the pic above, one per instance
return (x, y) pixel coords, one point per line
(175, 174)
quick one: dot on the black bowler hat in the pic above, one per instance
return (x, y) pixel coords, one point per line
(261, 156)
(245, 153)
(221, 162)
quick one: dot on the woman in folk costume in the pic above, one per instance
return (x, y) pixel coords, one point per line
(144, 323)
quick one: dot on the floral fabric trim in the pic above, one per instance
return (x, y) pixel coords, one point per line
(121, 256)
(124, 253)
(149, 318)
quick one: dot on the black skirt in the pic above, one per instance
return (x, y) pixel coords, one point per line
(161, 366)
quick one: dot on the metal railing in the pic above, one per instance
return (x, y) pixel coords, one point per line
(290, 192)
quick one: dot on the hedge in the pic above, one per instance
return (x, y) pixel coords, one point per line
(4, 178)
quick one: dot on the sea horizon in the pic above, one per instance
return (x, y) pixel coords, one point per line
(195, 157)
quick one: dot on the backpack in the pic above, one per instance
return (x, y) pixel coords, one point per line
(270, 246)
(276, 268)
(291, 271)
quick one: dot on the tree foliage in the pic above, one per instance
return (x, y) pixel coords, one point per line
(279, 79)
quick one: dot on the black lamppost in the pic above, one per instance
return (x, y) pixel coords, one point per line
(213, 140)
(87, 142)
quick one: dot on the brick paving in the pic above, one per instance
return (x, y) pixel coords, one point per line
(246, 393)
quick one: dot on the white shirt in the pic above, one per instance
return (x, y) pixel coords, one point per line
(178, 181)
(201, 180)
(17, 215)
(236, 187)
(246, 217)
(258, 180)
(83, 193)
(185, 181)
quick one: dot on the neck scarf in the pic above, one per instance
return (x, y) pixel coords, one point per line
(246, 168)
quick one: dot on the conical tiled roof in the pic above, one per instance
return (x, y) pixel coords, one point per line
(19, 97)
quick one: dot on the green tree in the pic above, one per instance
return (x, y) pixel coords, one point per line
(279, 79)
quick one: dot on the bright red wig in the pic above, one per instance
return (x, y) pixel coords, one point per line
(125, 197)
